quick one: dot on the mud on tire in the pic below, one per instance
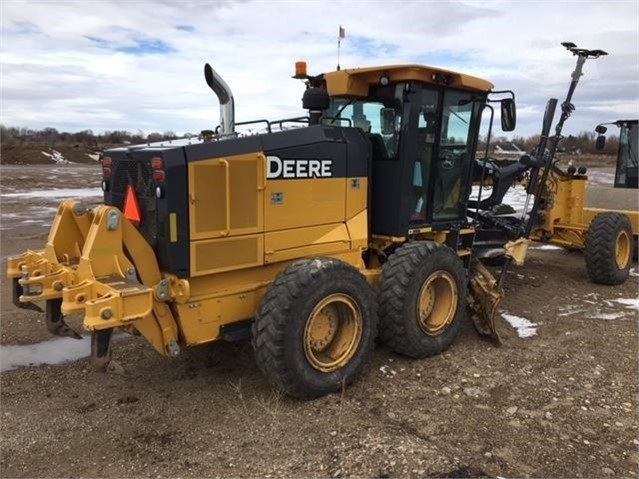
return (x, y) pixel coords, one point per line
(422, 299)
(315, 327)
(609, 248)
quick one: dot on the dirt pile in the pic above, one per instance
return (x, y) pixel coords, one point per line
(33, 154)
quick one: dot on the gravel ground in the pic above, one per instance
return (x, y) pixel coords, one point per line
(561, 401)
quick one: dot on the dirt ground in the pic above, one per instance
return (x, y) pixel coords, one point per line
(559, 403)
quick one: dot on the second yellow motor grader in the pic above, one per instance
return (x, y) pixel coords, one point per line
(555, 211)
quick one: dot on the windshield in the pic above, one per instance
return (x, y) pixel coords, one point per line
(459, 118)
(628, 140)
(626, 174)
(378, 115)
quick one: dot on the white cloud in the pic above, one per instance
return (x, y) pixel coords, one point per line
(70, 64)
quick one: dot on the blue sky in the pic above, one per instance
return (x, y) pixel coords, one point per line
(107, 65)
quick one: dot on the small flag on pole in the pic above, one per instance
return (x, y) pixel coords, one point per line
(341, 34)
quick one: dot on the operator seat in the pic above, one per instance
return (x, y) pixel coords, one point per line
(379, 147)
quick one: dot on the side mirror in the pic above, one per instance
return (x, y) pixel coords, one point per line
(387, 120)
(601, 141)
(601, 129)
(508, 114)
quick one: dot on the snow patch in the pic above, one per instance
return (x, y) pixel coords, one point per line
(524, 327)
(515, 197)
(597, 177)
(57, 193)
(54, 351)
(56, 157)
(633, 272)
(605, 316)
(631, 303)
(570, 310)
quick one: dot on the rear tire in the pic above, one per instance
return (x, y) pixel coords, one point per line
(422, 299)
(609, 248)
(315, 327)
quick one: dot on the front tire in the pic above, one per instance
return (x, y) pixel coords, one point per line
(315, 327)
(609, 248)
(422, 299)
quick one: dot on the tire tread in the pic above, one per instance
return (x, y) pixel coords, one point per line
(277, 308)
(397, 276)
(599, 252)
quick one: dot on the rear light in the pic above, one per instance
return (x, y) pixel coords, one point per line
(106, 172)
(159, 176)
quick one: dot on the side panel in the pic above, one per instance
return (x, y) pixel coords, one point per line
(358, 171)
(305, 202)
(226, 197)
(223, 254)
(313, 240)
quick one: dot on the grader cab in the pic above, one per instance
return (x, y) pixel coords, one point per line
(627, 167)
(311, 240)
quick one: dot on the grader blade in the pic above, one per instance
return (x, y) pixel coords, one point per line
(484, 299)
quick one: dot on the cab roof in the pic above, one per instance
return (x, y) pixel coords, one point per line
(357, 81)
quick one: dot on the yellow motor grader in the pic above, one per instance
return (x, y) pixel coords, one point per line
(310, 238)
(558, 214)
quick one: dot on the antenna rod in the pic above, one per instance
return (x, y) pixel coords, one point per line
(341, 34)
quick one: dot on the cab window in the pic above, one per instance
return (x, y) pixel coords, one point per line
(453, 157)
(380, 117)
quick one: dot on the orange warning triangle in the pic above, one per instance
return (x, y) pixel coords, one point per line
(132, 207)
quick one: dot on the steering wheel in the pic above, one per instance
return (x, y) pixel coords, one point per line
(448, 159)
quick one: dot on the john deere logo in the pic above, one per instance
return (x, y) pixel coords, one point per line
(278, 168)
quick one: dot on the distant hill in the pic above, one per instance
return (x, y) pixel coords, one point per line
(43, 154)
(49, 146)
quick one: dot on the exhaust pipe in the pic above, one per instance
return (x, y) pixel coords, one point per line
(225, 96)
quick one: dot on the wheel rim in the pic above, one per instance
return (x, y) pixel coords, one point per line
(437, 303)
(333, 332)
(622, 250)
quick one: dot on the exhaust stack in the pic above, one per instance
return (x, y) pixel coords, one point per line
(225, 97)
